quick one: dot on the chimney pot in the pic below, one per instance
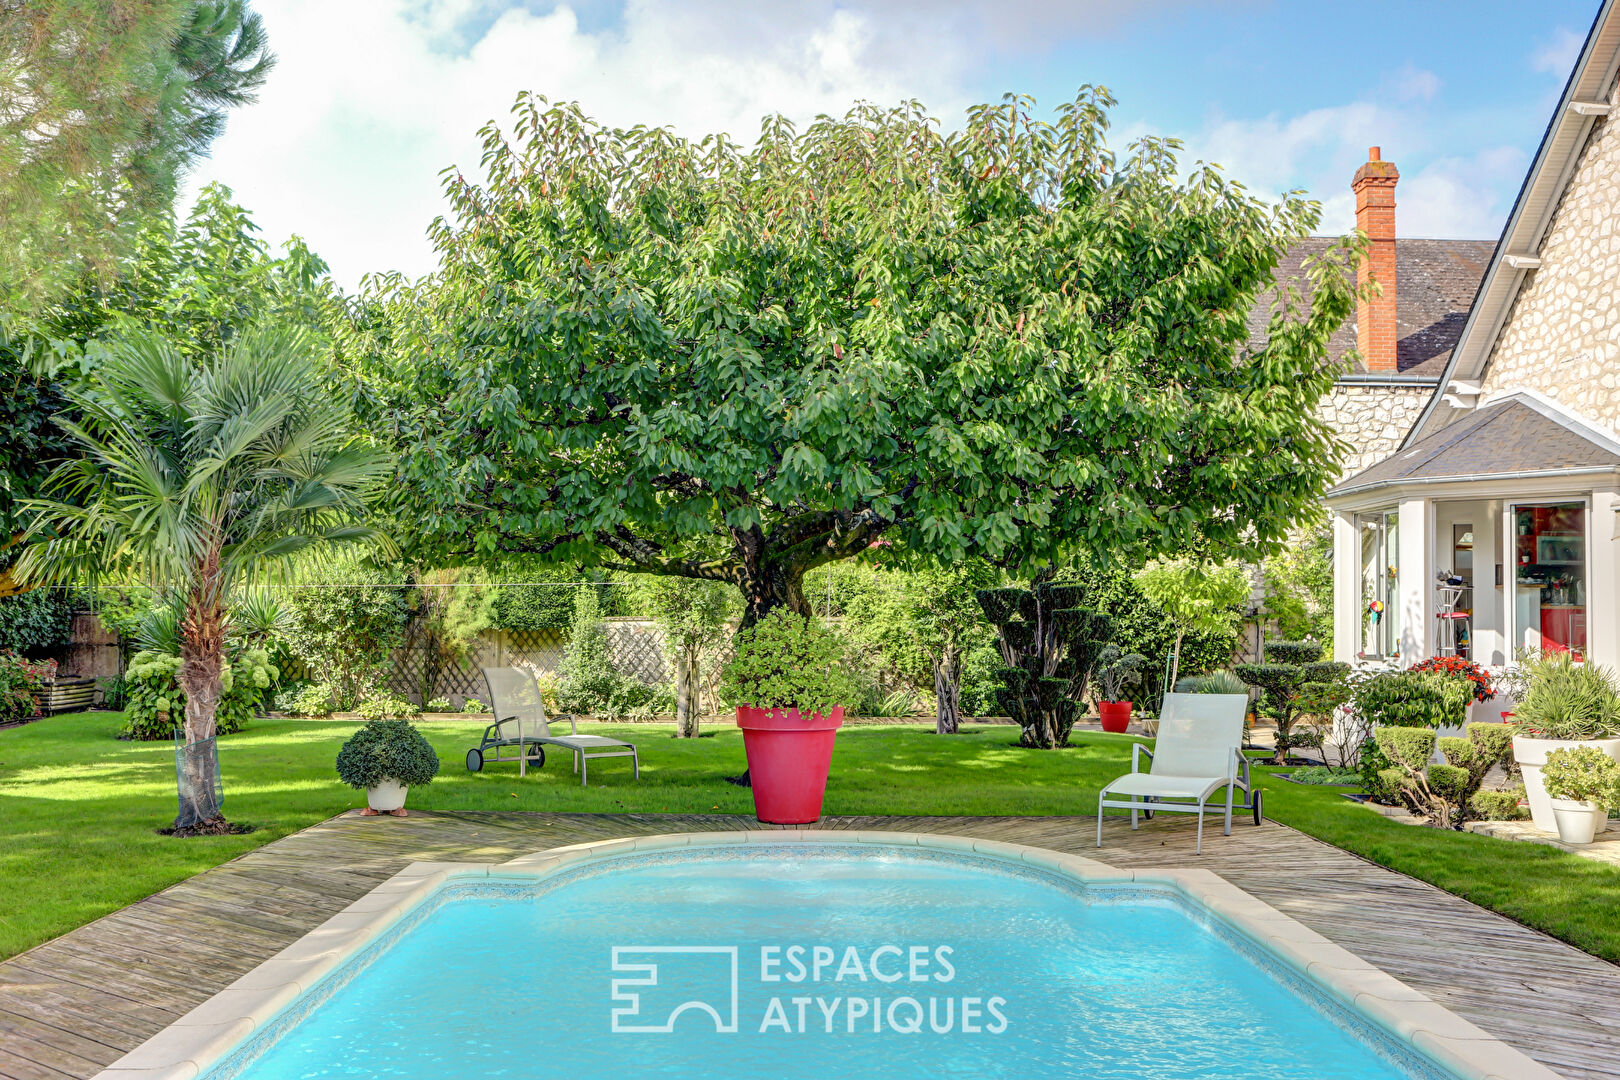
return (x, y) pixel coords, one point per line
(1372, 154)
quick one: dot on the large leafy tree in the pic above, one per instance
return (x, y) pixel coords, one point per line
(199, 479)
(103, 106)
(688, 359)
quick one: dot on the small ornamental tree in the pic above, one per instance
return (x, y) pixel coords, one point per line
(387, 750)
(1289, 669)
(1050, 645)
(697, 360)
(695, 617)
(1442, 793)
(1198, 597)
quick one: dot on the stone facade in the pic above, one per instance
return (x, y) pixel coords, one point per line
(1373, 419)
(1561, 337)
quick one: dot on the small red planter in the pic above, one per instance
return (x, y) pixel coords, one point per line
(788, 756)
(1116, 715)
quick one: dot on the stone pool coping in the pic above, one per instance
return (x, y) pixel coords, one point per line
(215, 1028)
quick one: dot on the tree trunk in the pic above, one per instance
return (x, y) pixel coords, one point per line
(687, 685)
(1175, 663)
(766, 587)
(947, 689)
(202, 664)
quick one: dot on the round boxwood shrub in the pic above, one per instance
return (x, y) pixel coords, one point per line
(387, 750)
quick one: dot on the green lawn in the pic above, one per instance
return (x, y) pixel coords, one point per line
(79, 810)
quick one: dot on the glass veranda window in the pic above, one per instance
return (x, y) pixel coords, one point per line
(1380, 569)
(1550, 578)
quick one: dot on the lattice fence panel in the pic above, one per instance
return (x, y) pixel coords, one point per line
(636, 649)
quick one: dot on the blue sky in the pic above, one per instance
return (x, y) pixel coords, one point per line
(373, 97)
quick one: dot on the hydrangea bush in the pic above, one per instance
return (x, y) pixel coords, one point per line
(155, 704)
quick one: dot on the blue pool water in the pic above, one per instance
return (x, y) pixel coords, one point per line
(884, 965)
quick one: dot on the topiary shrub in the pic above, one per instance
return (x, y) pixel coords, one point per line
(1442, 793)
(1293, 679)
(1049, 645)
(788, 661)
(387, 750)
(1498, 805)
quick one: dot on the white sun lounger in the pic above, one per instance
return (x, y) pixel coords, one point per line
(1199, 751)
(520, 721)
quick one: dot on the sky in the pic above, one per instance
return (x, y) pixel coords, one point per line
(372, 99)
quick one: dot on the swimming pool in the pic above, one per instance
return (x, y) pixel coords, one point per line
(686, 957)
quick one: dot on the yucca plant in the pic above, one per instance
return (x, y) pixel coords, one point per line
(202, 479)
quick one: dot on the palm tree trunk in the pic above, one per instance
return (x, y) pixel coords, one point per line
(202, 667)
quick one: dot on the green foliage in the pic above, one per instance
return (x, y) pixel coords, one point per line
(1293, 653)
(1198, 597)
(20, 680)
(313, 699)
(473, 705)
(454, 606)
(386, 707)
(739, 365)
(1299, 584)
(36, 622)
(1323, 774)
(787, 661)
(343, 636)
(1582, 774)
(438, 704)
(1444, 793)
(106, 106)
(1566, 700)
(387, 749)
(1413, 699)
(1214, 682)
(586, 680)
(155, 703)
(1295, 683)
(1117, 670)
(1049, 648)
(1498, 805)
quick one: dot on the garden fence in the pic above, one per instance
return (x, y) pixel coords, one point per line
(635, 648)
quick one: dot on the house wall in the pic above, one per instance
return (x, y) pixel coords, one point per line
(1562, 334)
(1372, 419)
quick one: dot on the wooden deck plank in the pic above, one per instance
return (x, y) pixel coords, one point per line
(73, 1004)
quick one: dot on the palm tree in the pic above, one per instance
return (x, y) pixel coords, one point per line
(201, 480)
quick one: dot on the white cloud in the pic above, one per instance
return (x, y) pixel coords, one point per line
(1413, 83)
(1558, 54)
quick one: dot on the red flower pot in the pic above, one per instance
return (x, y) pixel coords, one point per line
(1116, 715)
(788, 756)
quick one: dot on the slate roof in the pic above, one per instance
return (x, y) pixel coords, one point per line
(1503, 439)
(1435, 283)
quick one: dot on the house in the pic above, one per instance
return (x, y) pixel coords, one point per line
(1491, 527)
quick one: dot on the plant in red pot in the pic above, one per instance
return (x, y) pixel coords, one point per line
(789, 681)
(1116, 670)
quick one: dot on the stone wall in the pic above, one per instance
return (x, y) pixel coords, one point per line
(1372, 419)
(1562, 334)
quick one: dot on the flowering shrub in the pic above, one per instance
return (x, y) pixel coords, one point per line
(156, 704)
(20, 680)
(1458, 667)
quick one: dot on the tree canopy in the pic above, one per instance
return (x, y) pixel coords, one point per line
(687, 358)
(103, 106)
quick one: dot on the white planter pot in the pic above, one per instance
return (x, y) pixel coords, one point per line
(386, 797)
(1531, 754)
(1577, 821)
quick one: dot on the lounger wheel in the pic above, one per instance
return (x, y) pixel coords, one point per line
(1148, 814)
(537, 756)
(1259, 812)
(475, 760)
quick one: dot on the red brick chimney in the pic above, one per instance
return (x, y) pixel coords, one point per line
(1374, 185)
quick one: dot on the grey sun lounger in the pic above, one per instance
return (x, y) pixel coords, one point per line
(520, 721)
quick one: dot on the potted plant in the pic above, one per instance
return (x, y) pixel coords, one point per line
(788, 680)
(1565, 705)
(386, 758)
(1117, 669)
(1582, 782)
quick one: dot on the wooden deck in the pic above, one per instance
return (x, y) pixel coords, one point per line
(73, 1005)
